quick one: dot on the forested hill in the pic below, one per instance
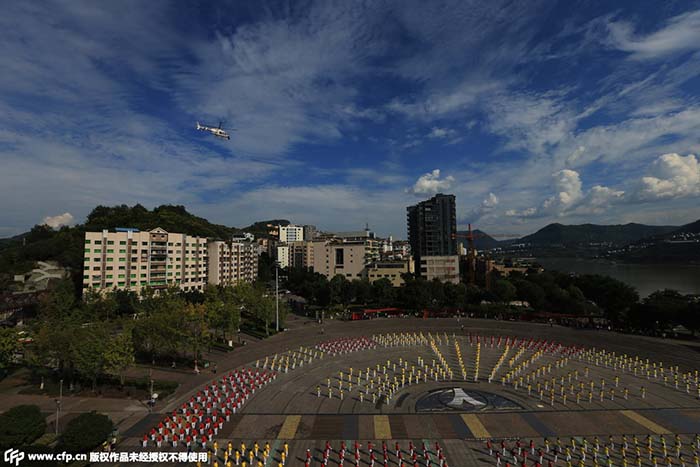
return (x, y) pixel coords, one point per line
(18, 254)
(170, 218)
(570, 235)
(682, 246)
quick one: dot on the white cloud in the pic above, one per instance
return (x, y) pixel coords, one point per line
(486, 207)
(680, 34)
(567, 184)
(598, 200)
(57, 221)
(569, 198)
(440, 133)
(672, 176)
(431, 183)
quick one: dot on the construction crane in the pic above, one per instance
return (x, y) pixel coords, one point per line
(471, 249)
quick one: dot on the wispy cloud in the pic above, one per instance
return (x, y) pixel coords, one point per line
(679, 34)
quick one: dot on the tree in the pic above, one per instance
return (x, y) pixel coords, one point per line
(230, 314)
(339, 290)
(415, 294)
(530, 292)
(690, 317)
(8, 346)
(197, 327)
(59, 303)
(504, 290)
(101, 306)
(119, 354)
(85, 432)
(20, 426)
(88, 349)
(266, 268)
(382, 292)
(613, 296)
(361, 290)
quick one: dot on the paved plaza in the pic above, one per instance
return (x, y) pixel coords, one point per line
(410, 383)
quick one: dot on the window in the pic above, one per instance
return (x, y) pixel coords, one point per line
(133, 276)
(144, 243)
(143, 282)
(87, 250)
(121, 276)
(110, 250)
(122, 242)
(121, 268)
(122, 259)
(122, 251)
(86, 276)
(110, 259)
(144, 275)
(120, 284)
(98, 242)
(110, 242)
(86, 268)
(87, 241)
(109, 268)
(97, 250)
(109, 276)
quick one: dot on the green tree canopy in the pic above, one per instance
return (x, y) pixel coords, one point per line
(85, 432)
(20, 426)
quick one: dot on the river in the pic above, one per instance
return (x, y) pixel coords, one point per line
(646, 278)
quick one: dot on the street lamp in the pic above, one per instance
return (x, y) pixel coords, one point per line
(58, 404)
(277, 297)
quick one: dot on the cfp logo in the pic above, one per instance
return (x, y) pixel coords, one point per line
(14, 456)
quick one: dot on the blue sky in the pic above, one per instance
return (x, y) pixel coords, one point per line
(346, 112)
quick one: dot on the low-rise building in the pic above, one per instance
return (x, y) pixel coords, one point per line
(391, 270)
(443, 268)
(335, 257)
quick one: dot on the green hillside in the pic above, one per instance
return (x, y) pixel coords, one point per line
(18, 254)
(571, 235)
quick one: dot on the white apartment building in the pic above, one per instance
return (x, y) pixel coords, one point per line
(232, 262)
(128, 259)
(282, 255)
(291, 233)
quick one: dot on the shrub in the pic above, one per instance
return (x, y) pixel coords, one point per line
(85, 432)
(21, 426)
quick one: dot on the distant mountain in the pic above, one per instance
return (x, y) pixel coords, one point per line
(482, 240)
(682, 245)
(261, 229)
(585, 234)
(693, 227)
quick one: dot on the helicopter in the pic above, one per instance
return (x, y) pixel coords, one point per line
(216, 131)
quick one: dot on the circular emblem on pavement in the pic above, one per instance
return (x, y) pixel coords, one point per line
(463, 400)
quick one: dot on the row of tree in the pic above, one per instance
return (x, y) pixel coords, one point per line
(104, 334)
(588, 295)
